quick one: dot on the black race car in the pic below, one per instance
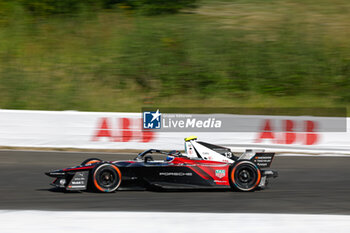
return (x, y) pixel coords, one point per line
(202, 166)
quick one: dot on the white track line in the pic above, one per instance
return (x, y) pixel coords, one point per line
(154, 222)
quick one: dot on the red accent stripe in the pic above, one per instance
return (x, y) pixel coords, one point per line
(78, 168)
(200, 172)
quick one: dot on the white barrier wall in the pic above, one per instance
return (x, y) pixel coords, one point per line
(102, 130)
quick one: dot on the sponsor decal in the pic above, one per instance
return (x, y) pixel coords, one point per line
(190, 149)
(220, 173)
(220, 181)
(122, 130)
(175, 174)
(56, 173)
(79, 180)
(309, 136)
(263, 160)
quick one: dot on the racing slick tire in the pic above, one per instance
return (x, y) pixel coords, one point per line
(106, 178)
(245, 176)
(90, 161)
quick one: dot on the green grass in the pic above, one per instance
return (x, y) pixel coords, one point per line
(272, 53)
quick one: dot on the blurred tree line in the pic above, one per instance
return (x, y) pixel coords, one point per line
(240, 53)
(49, 7)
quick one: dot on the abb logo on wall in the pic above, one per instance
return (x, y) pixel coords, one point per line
(289, 133)
(122, 130)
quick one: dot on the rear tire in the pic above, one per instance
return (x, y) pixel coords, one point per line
(106, 178)
(245, 176)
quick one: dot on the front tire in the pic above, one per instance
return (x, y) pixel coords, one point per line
(106, 178)
(245, 176)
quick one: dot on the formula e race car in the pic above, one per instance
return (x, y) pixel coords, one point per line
(202, 166)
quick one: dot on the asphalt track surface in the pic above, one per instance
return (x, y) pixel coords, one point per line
(312, 185)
